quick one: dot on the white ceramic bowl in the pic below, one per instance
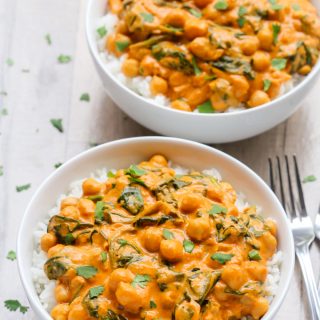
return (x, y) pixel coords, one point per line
(120, 154)
(207, 128)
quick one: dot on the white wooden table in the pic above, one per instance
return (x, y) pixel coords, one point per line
(30, 146)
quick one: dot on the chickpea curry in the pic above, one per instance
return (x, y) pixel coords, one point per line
(151, 244)
(210, 55)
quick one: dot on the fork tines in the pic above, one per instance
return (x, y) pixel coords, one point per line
(286, 184)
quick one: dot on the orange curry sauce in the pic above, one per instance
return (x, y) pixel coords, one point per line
(150, 244)
(210, 55)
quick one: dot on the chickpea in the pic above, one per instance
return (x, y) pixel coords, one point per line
(168, 299)
(171, 250)
(195, 28)
(249, 45)
(147, 65)
(77, 312)
(158, 85)
(240, 86)
(260, 307)
(60, 312)
(158, 159)
(304, 70)
(271, 224)
(70, 201)
(257, 271)
(186, 309)
(152, 239)
(177, 78)
(190, 202)
(202, 3)
(129, 297)
(86, 206)
(202, 48)
(91, 187)
(117, 276)
(197, 96)
(53, 251)
(261, 60)
(180, 105)
(70, 212)
(258, 98)
(219, 292)
(214, 193)
(269, 244)
(48, 240)
(234, 276)
(62, 293)
(76, 283)
(176, 18)
(115, 6)
(198, 229)
(265, 37)
(130, 68)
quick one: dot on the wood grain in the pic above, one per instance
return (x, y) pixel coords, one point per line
(30, 146)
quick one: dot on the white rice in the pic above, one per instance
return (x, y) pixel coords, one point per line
(45, 287)
(141, 85)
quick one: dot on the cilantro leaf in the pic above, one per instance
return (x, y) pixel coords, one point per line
(103, 256)
(4, 112)
(275, 6)
(58, 164)
(11, 255)
(99, 211)
(197, 70)
(254, 255)
(222, 258)
(276, 28)
(122, 242)
(14, 305)
(266, 84)
(57, 123)
(188, 246)
(217, 209)
(95, 291)
(279, 63)
(147, 17)
(195, 12)
(1, 171)
(110, 174)
(206, 107)
(221, 5)
(141, 280)
(102, 31)
(122, 45)
(23, 187)
(167, 234)
(9, 62)
(64, 58)
(152, 304)
(48, 39)
(85, 97)
(310, 178)
(135, 171)
(86, 272)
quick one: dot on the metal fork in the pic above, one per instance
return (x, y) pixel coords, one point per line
(317, 224)
(301, 225)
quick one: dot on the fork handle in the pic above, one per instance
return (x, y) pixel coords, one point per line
(309, 280)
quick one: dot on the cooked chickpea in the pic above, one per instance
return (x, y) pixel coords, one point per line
(187, 310)
(175, 18)
(272, 226)
(256, 270)
(48, 240)
(158, 159)
(195, 28)
(265, 37)
(305, 70)
(178, 78)
(202, 48)
(70, 201)
(171, 250)
(198, 229)
(129, 297)
(249, 45)
(269, 244)
(258, 98)
(234, 276)
(240, 86)
(260, 307)
(168, 298)
(261, 60)
(158, 85)
(190, 202)
(130, 67)
(70, 212)
(117, 276)
(147, 65)
(86, 206)
(202, 3)
(60, 311)
(76, 283)
(180, 105)
(77, 312)
(91, 187)
(53, 251)
(152, 239)
(62, 293)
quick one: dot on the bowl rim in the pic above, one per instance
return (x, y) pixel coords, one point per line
(92, 43)
(36, 304)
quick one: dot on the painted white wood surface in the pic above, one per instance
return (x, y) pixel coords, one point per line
(30, 146)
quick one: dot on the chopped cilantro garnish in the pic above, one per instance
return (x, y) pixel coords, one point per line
(206, 107)
(266, 84)
(217, 209)
(23, 187)
(254, 255)
(147, 17)
(57, 123)
(197, 70)
(14, 305)
(167, 234)
(10, 62)
(141, 280)
(222, 258)
(86, 272)
(58, 164)
(279, 63)
(275, 30)
(188, 246)
(85, 97)
(48, 39)
(310, 178)
(64, 58)
(95, 291)
(221, 5)
(11, 255)
(102, 31)
(152, 304)
(122, 45)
